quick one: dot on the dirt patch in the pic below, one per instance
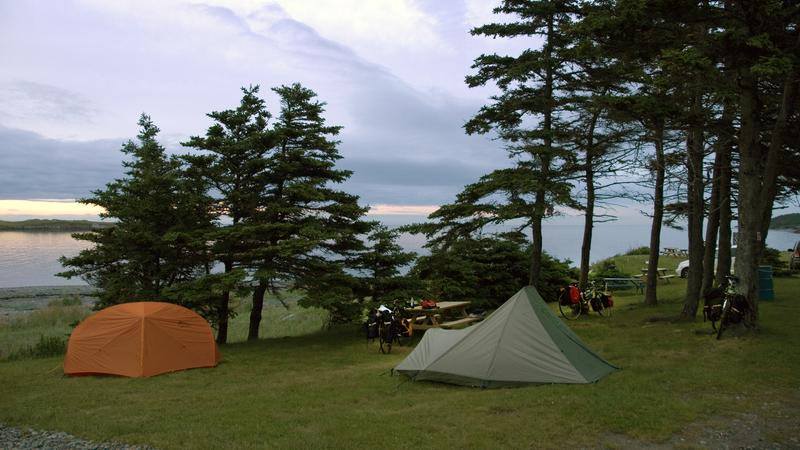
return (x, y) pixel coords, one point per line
(775, 425)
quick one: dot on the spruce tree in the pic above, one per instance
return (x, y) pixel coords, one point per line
(527, 115)
(152, 245)
(305, 228)
(231, 158)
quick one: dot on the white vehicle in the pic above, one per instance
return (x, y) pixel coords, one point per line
(683, 268)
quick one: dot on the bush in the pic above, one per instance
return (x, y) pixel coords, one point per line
(638, 251)
(774, 258)
(607, 268)
(46, 347)
(68, 300)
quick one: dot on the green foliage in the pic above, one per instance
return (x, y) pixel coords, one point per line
(380, 266)
(46, 347)
(555, 275)
(607, 268)
(487, 270)
(153, 243)
(32, 334)
(776, 259)
(638, 251)
(69, 300)
(529, 116)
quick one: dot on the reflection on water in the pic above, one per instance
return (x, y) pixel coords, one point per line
(31, 258)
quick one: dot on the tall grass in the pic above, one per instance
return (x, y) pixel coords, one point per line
(36, 333)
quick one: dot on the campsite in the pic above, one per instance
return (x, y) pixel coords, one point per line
(677, 387)
(394, 224)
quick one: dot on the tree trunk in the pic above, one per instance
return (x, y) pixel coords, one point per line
(588, 224)
(544, 158)
(255, 313)
(726, 136)
(749, 240)
(771, 169)
(536, 249)
(650, 293)
(223, 310)
(712, 227)
(696, 208)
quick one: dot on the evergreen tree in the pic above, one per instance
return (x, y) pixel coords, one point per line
(487, 270)
(380, 266)
(152, 245)
(232, 160)
(528, 116)
(305, 228)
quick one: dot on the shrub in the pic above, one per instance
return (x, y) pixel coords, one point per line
(773, 257)
(46, 347)
(638, 251)
(607, 268)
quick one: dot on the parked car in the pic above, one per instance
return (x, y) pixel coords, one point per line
(794, 262)
(683, 268)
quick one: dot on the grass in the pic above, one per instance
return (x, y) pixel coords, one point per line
(332, 390)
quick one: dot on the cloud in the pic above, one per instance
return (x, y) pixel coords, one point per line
(109, 61)
(37, 167)
(23, 102)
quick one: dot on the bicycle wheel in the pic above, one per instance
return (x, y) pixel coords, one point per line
(571, 311)
(726, 307)
(602, 310)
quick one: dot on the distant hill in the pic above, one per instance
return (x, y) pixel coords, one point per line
(51, 225)
(786, 222)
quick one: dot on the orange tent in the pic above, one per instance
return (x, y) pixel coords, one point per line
(140, 340)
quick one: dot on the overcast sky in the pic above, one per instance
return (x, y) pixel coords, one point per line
(75, 76)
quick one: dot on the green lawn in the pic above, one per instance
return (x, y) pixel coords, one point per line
(332, 390)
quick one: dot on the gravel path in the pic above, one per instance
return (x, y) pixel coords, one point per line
(27, 439)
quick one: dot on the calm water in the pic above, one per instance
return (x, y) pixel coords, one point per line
(31, 259)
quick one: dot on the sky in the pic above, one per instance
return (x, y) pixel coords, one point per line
(76, 74)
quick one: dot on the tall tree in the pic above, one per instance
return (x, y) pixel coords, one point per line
(381, 264)
(231, 157)
(764, 41)
(152, 245)
(527, 116)
(305, 228)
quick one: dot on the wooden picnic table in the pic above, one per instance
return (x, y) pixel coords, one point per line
(612, 283)
(662, 273)
(444, 315)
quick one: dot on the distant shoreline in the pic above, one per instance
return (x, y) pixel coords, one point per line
(52, 225)
(43, 291)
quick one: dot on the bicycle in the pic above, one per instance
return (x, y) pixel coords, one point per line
(389, 327)
(734, 306)
(572, 306)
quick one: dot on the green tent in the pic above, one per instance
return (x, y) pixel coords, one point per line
(521, 343)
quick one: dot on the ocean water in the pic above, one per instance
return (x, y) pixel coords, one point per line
(31, 258)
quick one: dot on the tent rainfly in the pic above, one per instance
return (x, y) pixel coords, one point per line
(140, 339)
(522, 342)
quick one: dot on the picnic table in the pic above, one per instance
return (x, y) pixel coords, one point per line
(624, 282)
(662, 273)
(669, 251)
(444, 315)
